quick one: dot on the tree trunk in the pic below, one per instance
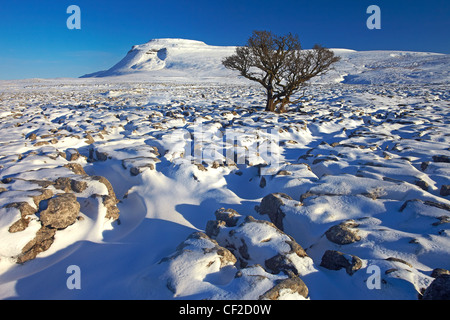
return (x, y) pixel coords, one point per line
(284, 103)
(270, 104)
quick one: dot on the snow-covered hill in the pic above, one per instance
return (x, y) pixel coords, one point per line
(189, 59)
(391, 67)
(172, 58)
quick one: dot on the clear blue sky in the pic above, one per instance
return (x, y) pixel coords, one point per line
(35, 42)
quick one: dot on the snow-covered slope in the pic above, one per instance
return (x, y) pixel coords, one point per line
(394, 67)
(171, 58)
(190, 59)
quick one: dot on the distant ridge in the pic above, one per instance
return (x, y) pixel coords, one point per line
(185, 59)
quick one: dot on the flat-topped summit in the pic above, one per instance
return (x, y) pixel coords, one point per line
(178, 57)
(173, 42)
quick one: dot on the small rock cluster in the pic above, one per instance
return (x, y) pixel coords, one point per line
(241, 249)
(54, 206)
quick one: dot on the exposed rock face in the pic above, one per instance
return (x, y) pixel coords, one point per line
(76, 168)
(45, 194)
(229, 216)
(430, 203)
(109, 201)
(68, 185)
(335, 260)
(438, 271)
(343, 233)
(61, 212)
(43, 240)
(441, 158)
(439, 289)
(445, 190)
(112, 212)
(25, 211)
(213, 227)
(19, 225)
(292, 284)
(271, 205)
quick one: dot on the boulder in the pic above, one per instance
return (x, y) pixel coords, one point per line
(45, 194)
(19, 225)
(292, 284)
(32, 136)
(138, 164)
(75, 168)
(430, 203)
(445, 190)
(400, 261)
(110, 200)
(438, 271)
(439, 289)
(272, 206)
(441, 158)
(213, 227)
(112, 212)
(229, 216)
(43, 240)
(68, 185)
(260, 242)
(62, 211)
(25, 211)
(89, 139)
(72, 154)
(280, 263)
(24, 208)
(335, 260)
(343, 233)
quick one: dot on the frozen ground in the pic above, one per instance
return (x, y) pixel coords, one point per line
(125, 177)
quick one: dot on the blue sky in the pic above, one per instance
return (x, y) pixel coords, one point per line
(36, 43)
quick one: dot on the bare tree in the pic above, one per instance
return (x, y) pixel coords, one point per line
(280, 65)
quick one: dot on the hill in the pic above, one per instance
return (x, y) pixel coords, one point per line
(195, 60)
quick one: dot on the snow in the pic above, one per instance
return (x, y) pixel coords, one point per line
(172, 58)
(178, 137)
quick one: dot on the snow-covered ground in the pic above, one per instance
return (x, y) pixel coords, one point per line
(163, 178)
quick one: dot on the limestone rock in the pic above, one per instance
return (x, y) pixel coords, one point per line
(68, 185)
(335, 260)
(43, 240)
(261, 242)
(343, 233)
(438, 271)
(271, 205)
(292, 284)
(25, 211)
(230, 216)
(445, 190)
(76, 168)
(61, 212)
(439, 289)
